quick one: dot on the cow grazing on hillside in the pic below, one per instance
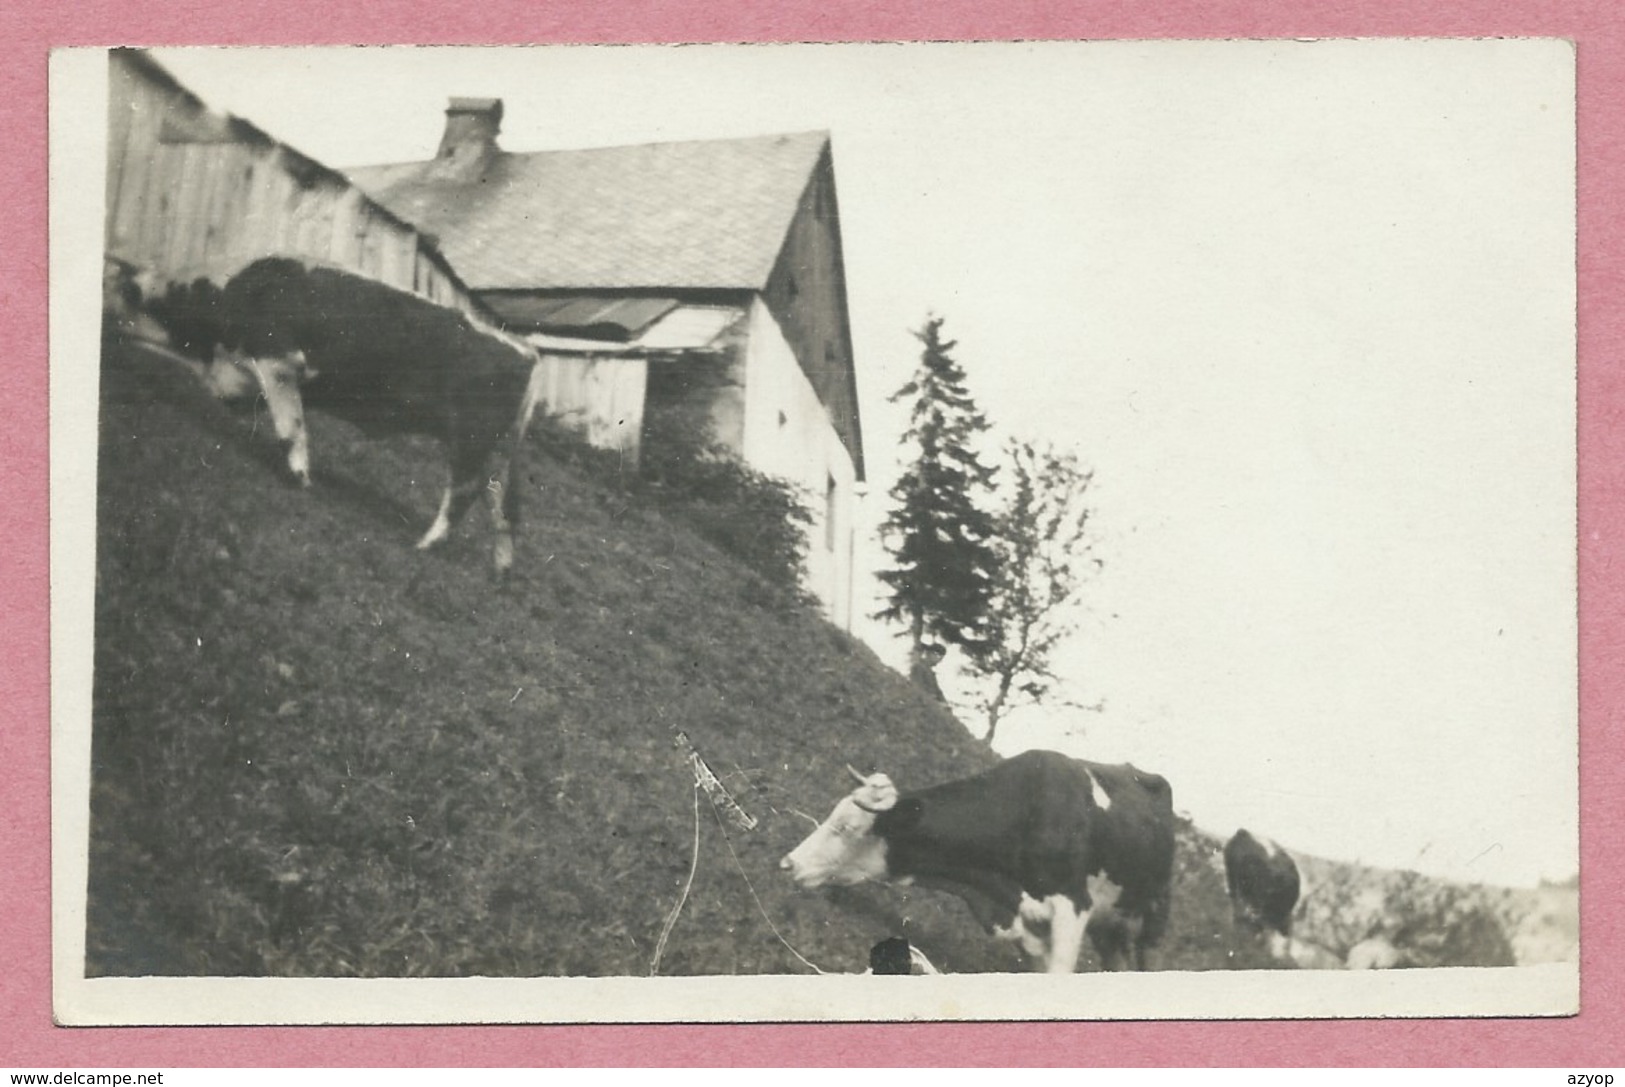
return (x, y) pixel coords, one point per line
(381, 356)
(1042, 847)
(1263, 883)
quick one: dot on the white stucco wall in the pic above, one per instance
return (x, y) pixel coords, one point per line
(787, 433)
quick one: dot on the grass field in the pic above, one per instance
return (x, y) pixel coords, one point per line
(319, 752)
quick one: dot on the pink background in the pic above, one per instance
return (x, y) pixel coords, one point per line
(1596, 1038)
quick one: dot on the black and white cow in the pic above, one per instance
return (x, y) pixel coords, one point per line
(1264, 885)
(1042, 847)
(379, 353)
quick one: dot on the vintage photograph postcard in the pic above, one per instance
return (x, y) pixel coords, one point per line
(1009, 530)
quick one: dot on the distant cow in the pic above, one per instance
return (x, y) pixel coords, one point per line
(1264, 886)
(384, 354)
(1042, 847)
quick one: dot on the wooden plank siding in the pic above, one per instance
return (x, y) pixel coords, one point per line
(192, 193)
(806, 293)
(600, 396)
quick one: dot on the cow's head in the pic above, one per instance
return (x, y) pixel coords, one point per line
(844, 849)
(278, 377)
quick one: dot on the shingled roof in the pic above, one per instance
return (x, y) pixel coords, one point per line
(700, 214)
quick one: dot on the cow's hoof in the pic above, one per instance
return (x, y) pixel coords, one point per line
(437, 534)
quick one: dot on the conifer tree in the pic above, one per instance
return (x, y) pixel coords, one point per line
(938, 534)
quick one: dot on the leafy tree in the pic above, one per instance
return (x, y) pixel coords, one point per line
(937, 534)
(1043, 558)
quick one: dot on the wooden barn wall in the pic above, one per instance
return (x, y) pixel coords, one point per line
(182, 210)
(806, 294)
(599, 396)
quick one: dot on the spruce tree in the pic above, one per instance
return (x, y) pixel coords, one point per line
(938, 534)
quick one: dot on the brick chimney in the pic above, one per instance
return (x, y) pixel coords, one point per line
(470, 139)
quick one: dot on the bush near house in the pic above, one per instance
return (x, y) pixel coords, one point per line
(688, 476)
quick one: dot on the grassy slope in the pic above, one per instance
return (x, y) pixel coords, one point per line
(319, 752)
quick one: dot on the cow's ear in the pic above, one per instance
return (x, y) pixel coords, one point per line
(905, 815)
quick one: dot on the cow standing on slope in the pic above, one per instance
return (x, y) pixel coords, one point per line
(1043, 848)
(1263, 883)
(375, 352)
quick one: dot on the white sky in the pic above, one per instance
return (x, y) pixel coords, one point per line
(1307, 310)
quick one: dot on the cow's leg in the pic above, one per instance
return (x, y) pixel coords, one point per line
(1112, 932)
(1109, 931)
(508, 467)
(279, 377)
(496, 491)
(503, 498)
(467, 483)
(502, 491)
(1032, 917)
(1031, 942)
(1066, 927)
(442, 522)
(1150, 925)
(454, 502)
(1134, 950)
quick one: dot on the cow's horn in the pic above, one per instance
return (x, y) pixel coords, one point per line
(861, 779)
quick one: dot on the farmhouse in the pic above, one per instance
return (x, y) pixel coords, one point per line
(702, 273)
